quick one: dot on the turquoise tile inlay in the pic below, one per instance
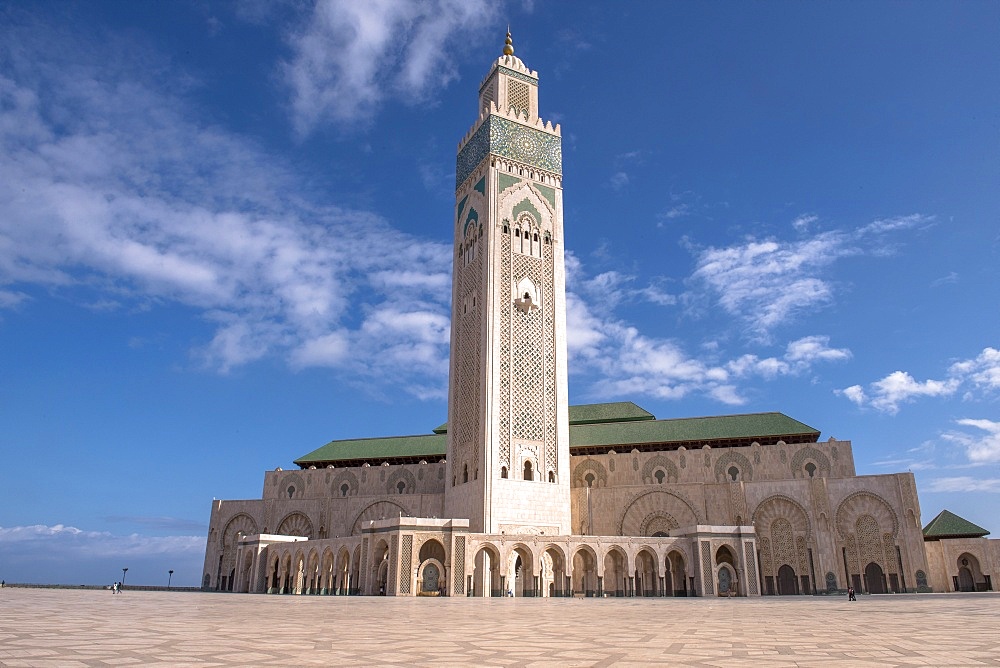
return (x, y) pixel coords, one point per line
(506, 181)
(480, 185)
(546, 192)
(461, 207)
(526, 205)
(508, 139)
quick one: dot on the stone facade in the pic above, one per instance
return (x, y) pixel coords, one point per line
(512, 509)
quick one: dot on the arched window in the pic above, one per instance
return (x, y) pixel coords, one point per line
(811, 469)
(590, 479)
(552, 476)
(733, 472)
(344, 489)
(291, 491)
(400, 486)
(527, 471)
(503, 471)
(659, 475)
(465, 473)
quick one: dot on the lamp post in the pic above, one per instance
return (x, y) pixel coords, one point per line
(124, 571)
(170, 575)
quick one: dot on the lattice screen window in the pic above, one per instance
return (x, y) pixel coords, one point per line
(518, 95)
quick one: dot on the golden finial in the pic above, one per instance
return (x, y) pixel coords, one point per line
(508, 47)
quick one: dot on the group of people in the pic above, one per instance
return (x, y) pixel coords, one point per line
(116, 588)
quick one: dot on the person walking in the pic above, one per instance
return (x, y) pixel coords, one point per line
(850, 594)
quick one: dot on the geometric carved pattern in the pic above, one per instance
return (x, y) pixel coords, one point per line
(751, 568)
(241, 525)
(401, 476)
(732, 457)
(465, 442)
(807, 453)
(589, 466)
(869, 539)
(766, 563)
(865, 503)
(405, 559)
(344, 478)
(777, 506)
(379, 510)
(295, 524)
(706, 567)
(518, 96)
(656, 462)
(549, 352)
(657, 522)
(783, 542)
(663, 504)
(528, 381)
(505, 315)
(459, 581)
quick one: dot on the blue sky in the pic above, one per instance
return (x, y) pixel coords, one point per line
(225, 240)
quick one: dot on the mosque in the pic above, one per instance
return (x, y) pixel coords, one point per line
(521, 494)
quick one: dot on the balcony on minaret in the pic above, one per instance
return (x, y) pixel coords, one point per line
(526, 303)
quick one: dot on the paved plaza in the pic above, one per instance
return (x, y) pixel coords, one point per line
(41, 627)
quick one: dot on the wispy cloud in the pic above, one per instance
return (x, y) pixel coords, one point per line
(625, 362)
(964, 484)
(134, 199)
(619, 180)
(981, 373)
(161, 523)
(981, 446)
(71, 541)
(65, 554)
(766, 283)
(350, 57)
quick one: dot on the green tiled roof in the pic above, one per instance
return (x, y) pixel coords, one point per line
(625, 425)
(691, 430)
(950, 525)
(619, 411)
(378, 449)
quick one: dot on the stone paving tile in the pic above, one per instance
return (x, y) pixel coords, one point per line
(68, 628)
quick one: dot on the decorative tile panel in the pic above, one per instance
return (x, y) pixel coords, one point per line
(707, 572)
(509, 139)
(458, 588)
(751, 570)
(405, 564)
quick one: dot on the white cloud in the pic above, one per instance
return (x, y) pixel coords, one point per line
(815, 348)
(132, 199)
(981, 447)
(983, 371)
(964, 484)
(899, 387)
(855, 393)
(623, 362)
(619, 180)
(350, 57)
(802, 223)
(71, 541)
(768, 282)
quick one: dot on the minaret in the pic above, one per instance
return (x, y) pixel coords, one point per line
(508, 425)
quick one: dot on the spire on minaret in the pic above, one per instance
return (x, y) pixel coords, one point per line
(508, 47)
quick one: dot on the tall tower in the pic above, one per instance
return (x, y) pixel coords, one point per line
(508, 423)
